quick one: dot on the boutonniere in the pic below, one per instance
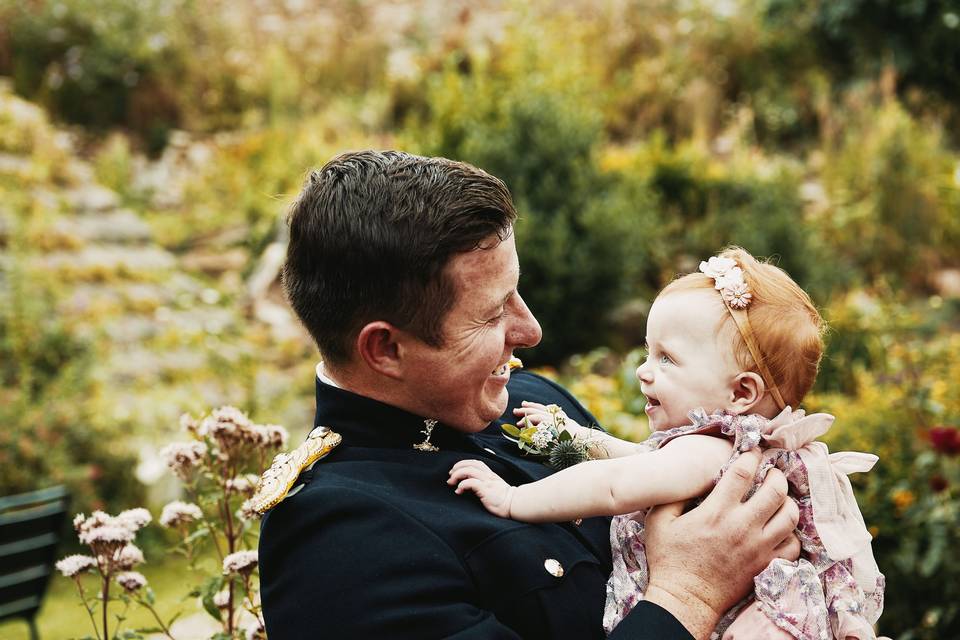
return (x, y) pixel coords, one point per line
(550, 440)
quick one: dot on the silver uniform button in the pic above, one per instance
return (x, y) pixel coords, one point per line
(490, 451)
(553, 567)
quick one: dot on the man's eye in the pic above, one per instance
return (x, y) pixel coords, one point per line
(498, 317)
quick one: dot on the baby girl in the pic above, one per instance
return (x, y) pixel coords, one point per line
(731, 349)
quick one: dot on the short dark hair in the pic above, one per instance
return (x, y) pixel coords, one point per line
(371, 234)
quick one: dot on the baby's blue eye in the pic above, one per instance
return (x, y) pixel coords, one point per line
(665, 359)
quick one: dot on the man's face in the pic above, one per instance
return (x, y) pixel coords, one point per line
(463, 382)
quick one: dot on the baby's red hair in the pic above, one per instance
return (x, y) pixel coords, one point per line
(786, 325)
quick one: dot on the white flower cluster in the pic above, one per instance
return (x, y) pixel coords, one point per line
(543, 436)
(240, 562)
(233, 432)
(75, 565)
(728, 280)
(221, 599)
(255, 631)
(179, 513)
(131, 581)
(183, 457)
(248, 511)
(245, 485)
(129, 557)
(111, 540)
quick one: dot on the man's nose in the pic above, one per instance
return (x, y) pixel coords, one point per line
(526, 331)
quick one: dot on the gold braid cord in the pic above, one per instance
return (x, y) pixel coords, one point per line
(277, 480)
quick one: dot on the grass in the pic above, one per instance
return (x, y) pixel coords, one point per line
(62, 615)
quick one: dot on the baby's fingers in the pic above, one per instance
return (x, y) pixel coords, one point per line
(467, 469)
(470, 484)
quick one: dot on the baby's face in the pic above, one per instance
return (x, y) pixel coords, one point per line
(690, 363)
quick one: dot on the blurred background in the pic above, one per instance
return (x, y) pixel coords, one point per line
(148, 151)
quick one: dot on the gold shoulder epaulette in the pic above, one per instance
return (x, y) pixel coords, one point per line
(277, 480)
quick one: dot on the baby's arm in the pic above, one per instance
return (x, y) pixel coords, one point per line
(602, 444)
(681, 470)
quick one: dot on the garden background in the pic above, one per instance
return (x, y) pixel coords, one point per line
(148, 151)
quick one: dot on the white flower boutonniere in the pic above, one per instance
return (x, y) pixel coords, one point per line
(550, 440)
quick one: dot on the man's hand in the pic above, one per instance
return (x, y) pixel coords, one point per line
(703, 562)
(473, 475)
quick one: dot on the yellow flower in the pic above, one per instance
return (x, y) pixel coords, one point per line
(903, 498)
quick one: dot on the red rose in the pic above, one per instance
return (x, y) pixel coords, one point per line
(938, 483)
(945, 440)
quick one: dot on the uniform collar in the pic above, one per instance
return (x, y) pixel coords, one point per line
(366, 422)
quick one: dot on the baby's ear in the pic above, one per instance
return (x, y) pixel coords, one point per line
(747, 392)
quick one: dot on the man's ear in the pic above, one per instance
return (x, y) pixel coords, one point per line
(748, 391)
(379, 347)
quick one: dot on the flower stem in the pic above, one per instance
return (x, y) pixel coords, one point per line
(83, 599)
(163, 627)
(106, 595)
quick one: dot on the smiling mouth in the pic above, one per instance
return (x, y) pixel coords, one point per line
(652, 403)
(509, 365)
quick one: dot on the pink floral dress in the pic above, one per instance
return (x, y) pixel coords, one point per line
(835, 589)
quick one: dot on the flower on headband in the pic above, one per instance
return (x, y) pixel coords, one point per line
(716, 267)
(728, 280)
(737, 295)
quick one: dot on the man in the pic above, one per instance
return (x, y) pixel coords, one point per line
(405, 272)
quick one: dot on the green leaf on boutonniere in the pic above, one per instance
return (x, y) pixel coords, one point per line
(564, 436)
(511, 430)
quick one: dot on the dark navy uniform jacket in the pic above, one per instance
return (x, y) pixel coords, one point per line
(375, 544)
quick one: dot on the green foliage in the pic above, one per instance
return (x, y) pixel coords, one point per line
(50, 434)
(96, 63)
(921, 38)
(892, 215)
(580, 232)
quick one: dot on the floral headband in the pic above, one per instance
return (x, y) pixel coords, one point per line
(729, 281)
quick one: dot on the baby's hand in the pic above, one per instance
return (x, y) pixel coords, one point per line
(534, 413)
(495, 494)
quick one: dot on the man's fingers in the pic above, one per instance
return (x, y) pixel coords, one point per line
(789, 548)
(769, 499)
(783, 521)
(737, 480)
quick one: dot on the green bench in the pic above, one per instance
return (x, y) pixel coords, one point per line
(30, 528)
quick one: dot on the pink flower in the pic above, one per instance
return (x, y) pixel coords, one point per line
(737, 296)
